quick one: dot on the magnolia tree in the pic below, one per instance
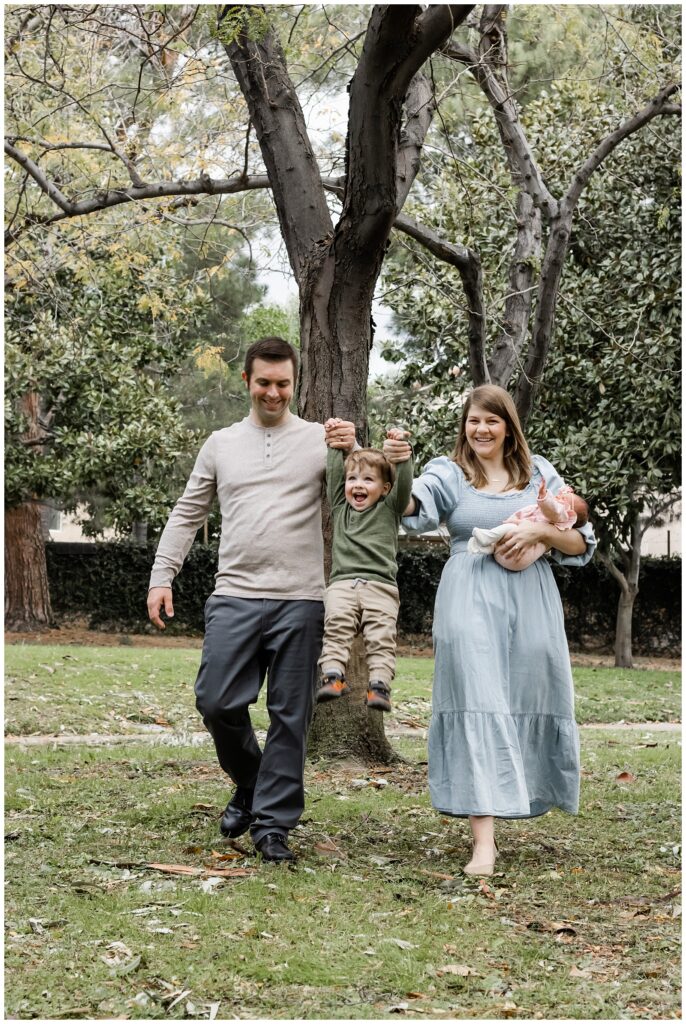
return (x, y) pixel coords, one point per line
(336, 204)
(607, 413)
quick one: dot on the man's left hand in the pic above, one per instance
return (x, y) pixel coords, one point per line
(340, 434)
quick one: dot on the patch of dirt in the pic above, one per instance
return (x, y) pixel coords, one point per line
(410, 647)
(81, 636)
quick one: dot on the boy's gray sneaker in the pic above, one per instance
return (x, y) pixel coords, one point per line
(331, 685)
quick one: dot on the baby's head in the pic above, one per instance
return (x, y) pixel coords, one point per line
(368, 477)
(581, 509)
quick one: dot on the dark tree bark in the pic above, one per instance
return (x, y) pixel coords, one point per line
(27, 595)
(628, 591)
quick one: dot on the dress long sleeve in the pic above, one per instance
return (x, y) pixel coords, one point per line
(437, 492)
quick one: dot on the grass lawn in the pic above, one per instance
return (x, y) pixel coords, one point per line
(580, 922)
(51, 689)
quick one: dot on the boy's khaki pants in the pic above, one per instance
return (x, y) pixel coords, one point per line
(354, 606)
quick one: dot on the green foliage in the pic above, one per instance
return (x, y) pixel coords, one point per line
(608, 412)
(76, 572)
(241, 19)
(89, 356)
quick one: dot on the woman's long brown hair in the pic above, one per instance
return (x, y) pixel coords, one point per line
(516, 454)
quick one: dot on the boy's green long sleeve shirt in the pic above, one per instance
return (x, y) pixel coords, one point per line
(365, 544)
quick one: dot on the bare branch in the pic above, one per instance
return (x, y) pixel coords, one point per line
(41, 180)
(468, 266)
(420, 105)
(656, 108)
(520, 156)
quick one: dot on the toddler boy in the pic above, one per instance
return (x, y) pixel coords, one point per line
(367, 504)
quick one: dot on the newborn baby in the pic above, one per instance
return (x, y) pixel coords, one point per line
(564, 510)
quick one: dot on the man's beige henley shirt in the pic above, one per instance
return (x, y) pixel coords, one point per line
(268, 481)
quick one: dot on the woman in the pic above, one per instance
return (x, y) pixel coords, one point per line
(503, 741)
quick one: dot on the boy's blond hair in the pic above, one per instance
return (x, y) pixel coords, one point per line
(373, 459)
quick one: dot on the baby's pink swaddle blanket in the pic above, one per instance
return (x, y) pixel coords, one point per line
(557, 509)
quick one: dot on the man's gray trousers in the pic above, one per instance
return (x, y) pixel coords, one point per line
(247, 639)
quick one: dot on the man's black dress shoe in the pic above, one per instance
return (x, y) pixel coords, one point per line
(274, 847)
(237, 817)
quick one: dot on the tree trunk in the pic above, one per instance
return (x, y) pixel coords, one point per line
(333, 377)
(623, 629)
(628, 589)
(27, 595)
(337, 267)
(347, 727)
(139, 533)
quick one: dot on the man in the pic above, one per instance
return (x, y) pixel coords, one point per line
(265, 616)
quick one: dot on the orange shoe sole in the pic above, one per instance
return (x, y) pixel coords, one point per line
(329, 691)
(375, 700)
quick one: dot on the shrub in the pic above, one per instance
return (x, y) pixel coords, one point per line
(107, 583)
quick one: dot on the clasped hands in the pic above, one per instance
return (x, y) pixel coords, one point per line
(339, 434)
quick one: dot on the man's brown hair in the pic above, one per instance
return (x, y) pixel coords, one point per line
(274, 350)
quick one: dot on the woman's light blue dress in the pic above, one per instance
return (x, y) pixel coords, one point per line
(503, 739)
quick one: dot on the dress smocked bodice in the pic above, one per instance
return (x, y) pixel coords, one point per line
(479, 508)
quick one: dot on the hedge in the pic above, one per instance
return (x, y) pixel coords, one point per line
(107, 584)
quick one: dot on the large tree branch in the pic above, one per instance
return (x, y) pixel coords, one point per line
(657, 107)
(419, 107)
(468, 266)
(398, 41)
(514, 332)
(275, 112)
(520, 156)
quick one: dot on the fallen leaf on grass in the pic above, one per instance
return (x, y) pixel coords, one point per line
(437, 874)
(416, 995)
(328, 848)
(120, 959)
(461, 970)
(403, 943)
(626, 777)
(188, 869)
(210, 884)
(575, 972)
(177, 998)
